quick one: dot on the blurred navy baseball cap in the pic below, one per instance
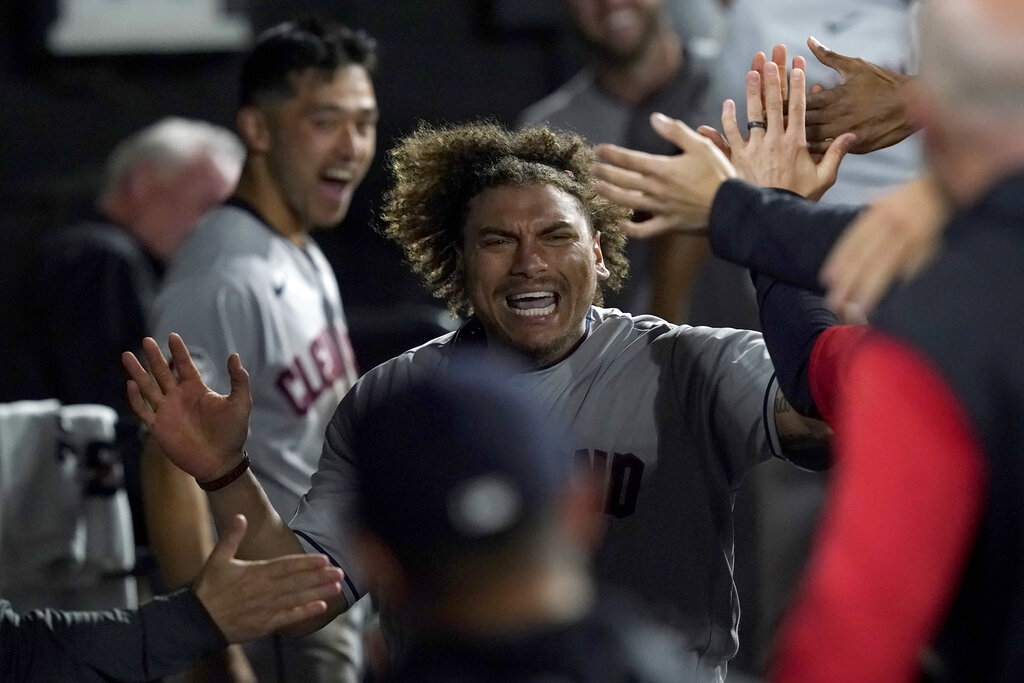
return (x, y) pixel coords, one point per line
(457, 460)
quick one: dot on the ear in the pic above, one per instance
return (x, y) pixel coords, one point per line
(602, 270)
(254, 129)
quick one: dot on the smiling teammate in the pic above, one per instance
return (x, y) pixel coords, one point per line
(507, 226)
(249, 280)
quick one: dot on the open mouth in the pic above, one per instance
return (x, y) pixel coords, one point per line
(335, 181)
(532, 303)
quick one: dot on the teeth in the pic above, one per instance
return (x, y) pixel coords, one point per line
(342, 176)
(512, 301)
(533, 312)
(530, 295)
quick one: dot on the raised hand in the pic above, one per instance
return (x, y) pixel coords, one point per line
(677, 190)
(200, 431)
(888, 243)
(869, 102)
(252, 599)
(775, 154)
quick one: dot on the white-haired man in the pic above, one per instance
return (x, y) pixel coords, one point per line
(95, 280)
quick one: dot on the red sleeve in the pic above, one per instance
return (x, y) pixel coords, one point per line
(831, 353)
(905, 497)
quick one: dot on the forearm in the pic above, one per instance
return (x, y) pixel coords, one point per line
(268, 535)
(161, 638)
(177, 518)
(775, 232)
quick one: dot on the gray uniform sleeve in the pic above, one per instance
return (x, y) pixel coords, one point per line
(160, 638)
(726, 388)
(225, 319)
(325, 517)
(323, 521)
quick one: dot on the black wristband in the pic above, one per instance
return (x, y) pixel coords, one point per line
(221, 482)
(791, 320)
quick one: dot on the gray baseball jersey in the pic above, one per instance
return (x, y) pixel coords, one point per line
(236, 285)
(672, 417)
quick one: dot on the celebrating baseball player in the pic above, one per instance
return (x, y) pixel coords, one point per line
(507, 228)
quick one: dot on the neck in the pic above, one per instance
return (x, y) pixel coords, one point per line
(524, 360)
(635, 81)
(257, 189)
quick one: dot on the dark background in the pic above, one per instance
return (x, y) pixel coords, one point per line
(441, 60)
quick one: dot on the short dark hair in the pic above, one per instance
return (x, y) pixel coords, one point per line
(437, 171)
(306, 43)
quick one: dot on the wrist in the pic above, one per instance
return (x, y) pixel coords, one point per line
(226, 477)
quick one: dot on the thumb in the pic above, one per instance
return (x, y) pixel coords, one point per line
(230, 539)
(835, 153)
(239, 376)
(675, 131)
(828, 57)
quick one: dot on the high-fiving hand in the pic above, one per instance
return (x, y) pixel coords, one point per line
(200, 431)
(676, 190)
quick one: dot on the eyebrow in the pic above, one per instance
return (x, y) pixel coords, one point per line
(335, 109)
(492, 230)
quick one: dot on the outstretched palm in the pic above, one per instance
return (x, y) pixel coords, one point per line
(199, 430)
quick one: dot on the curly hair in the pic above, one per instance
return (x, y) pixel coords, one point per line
(438, 170)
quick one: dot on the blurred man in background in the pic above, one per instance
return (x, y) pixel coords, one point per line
(250, 280)
(638, 63)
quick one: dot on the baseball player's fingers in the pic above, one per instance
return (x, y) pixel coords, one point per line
(628, 180)
(613, 155)
(853, 254)
(181, 358)
(871, 283)
(755, 111)
(294, 615)
(716, 138)
(661, 224)
(817, 88)
(158, 368)
(835, 153)
(757, 63)
(139, 406)
(779, 57)
(303, 565)
(798, 63)
(230, 538)
(676, 132)
(813, 115)
(773, 99)
(729, 125)
(142, 384)
(631, 199)
(797, 108)
(238, 375)
(302, 586)
(852, 314)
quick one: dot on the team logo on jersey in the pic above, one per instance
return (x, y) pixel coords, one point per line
(621, 473)
(328, 359)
